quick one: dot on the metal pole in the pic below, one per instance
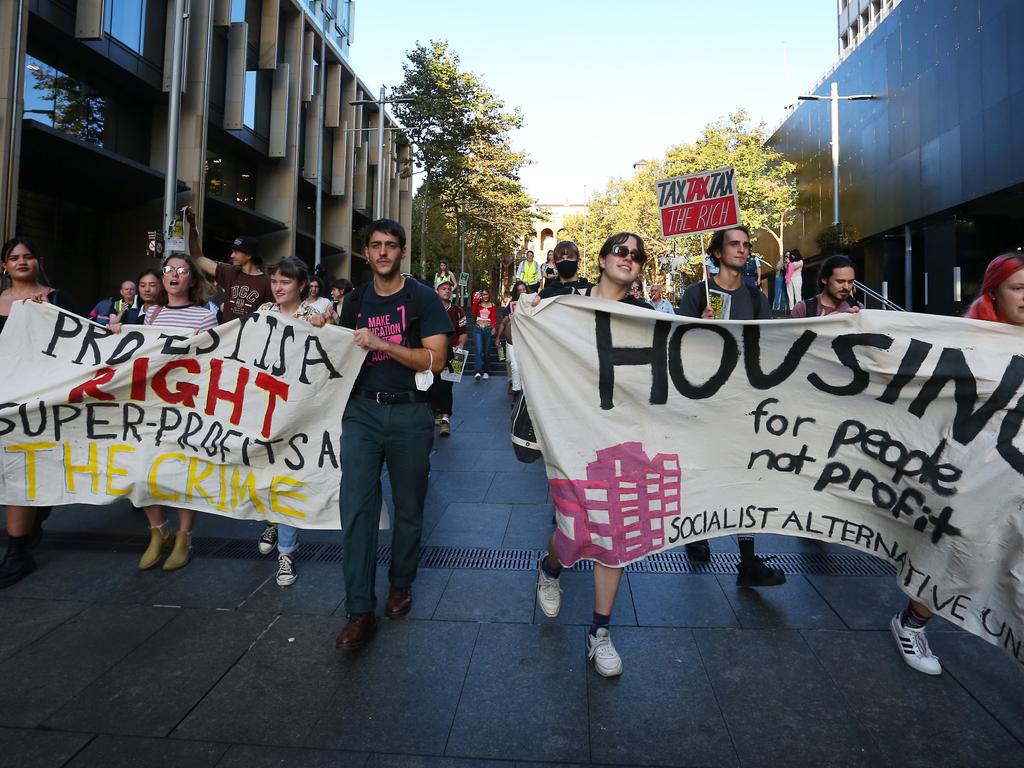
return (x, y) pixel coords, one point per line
(423, 232)
(462, 256)
(586, 210)
(908, 269)
(379, 202)
(17, 73)
(318, 233)
(173, 118)
(834, 98)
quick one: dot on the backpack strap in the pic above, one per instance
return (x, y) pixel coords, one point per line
(811, 305)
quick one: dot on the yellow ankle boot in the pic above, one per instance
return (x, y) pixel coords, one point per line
(181, 553)
(159, 538)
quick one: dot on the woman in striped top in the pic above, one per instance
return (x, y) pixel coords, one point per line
(180, 303)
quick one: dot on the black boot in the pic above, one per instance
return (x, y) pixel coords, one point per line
(18, 562)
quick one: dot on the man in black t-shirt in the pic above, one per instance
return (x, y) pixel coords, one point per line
(404, 328)
(730, 249)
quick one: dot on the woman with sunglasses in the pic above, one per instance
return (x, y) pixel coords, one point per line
(636, 290)
(180, 303)
(1000, 300)
(23, 280)
(621, 258)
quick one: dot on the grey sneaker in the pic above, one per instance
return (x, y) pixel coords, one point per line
(268, 539)
(286, 573)
(549, 591)
(607, 662)
(914, 648)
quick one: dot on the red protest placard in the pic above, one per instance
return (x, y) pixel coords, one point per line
(698, 202)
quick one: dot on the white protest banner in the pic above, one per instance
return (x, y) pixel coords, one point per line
(698, 202)
(243, 420)
(893, 433)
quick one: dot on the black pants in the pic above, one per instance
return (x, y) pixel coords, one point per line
(441, 395)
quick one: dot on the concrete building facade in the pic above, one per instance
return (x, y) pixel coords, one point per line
(83, 133)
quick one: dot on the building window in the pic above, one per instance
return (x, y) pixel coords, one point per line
(238, 10)
(125, 21)
(60, 101)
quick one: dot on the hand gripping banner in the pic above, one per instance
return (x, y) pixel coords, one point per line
(243, 420)
(895, 434)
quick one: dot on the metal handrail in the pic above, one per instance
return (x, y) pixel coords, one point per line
(885, 302)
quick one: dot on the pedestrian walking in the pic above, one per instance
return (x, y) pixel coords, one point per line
(529, 272)
(550, 271)
(486, 322)
(404, 328)
(779, 301)
(795, 277)
(519, 289)
(441, 393)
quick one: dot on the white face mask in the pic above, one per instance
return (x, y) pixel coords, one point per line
(425, 379)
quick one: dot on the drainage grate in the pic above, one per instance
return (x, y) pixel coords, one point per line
(474, 558)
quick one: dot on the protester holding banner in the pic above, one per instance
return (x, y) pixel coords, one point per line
(621, 258)
(290, 284)
(1000, 300)
(730, 250)
(567, 262)
(486, 314)
(180, 303)
(404, 327)
(836, 278)
(441, 397)
(24, 279)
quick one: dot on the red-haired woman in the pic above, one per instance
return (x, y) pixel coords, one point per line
(1001, 300)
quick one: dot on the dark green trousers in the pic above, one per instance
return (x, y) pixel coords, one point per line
(372, 434)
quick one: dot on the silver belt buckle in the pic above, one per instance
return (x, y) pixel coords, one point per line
(378, 398)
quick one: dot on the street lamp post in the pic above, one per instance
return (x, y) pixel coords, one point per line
(181, 13)
(835, 98)
(378, 202)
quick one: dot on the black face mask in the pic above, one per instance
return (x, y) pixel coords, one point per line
(567, 268)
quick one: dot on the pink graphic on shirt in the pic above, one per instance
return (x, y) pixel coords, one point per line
(391, 327)
(618, 513)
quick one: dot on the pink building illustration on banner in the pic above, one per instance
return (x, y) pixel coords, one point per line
(616, 515)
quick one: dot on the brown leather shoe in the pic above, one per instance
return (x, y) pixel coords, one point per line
(399, 602)
(357, 631)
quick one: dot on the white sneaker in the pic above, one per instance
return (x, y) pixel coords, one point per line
(477, 377)
(914, 648)
(549, 592)
(607, 662)
(268, 539)
(286, 573)
(486, 376)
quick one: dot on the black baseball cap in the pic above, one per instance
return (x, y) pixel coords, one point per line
(246, 244)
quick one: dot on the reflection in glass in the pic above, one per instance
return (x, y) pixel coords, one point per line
(125, 21)
(53, 98)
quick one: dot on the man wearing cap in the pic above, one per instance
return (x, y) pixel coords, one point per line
(244, 284)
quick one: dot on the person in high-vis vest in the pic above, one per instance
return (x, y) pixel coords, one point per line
(529, 273)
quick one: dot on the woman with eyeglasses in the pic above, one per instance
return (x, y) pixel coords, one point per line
(180, 303)
(621, 259)
(24, 280)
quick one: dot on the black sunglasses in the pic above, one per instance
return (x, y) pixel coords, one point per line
(621, 250)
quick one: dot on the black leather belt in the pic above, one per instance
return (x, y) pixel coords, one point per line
(392, 398)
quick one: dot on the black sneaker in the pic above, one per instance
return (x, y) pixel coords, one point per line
(268, 539)
(699, 551)
(754, 573)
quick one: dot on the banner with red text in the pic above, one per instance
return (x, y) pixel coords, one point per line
(698, 202)
(243, 420)
(892, 433)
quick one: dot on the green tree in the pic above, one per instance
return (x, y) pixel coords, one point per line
(460, 132)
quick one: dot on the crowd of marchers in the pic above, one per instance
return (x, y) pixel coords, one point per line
(400, 400)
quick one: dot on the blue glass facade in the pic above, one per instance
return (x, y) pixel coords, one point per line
(941, 151)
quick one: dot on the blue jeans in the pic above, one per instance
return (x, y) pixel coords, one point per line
(482, 345)
(287, 539)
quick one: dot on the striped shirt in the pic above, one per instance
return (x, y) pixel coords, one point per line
(198, 319)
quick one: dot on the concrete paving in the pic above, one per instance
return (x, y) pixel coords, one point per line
(215, 665)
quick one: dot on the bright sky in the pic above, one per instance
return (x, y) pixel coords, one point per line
(604, 84)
